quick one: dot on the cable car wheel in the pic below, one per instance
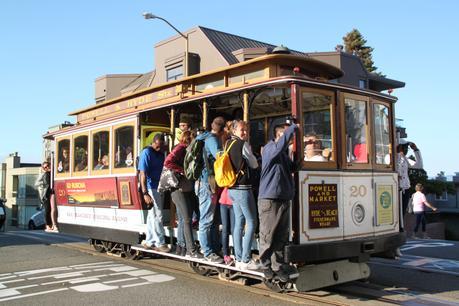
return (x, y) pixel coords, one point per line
(98, 245)
(199, 268)
(129, 253)
(278, 286)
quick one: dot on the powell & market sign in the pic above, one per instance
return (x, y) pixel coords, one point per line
(323, 205)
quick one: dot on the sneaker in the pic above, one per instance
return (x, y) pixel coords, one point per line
(145, 245)
(194, 254)
(241, 265)
(178, 250)
(398, 253)
(49, 229)
(412, 236)
(254, 265)
(214, 258)
(162, 248)
(228, 260)
(425, 236)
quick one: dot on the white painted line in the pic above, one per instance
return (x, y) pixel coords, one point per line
(7, 277)
(135, 285)
(5, 274)
(101, 267)
(135, 273)
(40, 271)
(123, 269)
(61, 275)
(158, 278)
(14, 281)
(91, 264)
(96, 287)
(120, 280)
(76, 280)
(24, 287)
(32, 294)
(8, 292)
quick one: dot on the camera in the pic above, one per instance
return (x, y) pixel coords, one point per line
(291, 120)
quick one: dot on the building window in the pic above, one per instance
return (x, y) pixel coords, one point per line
(175, 73)
(362, 84)
(442, 197)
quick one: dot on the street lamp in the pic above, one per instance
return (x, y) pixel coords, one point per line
(147, 15)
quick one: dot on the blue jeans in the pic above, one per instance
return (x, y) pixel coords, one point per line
(244, 207)
(155, 229)
(227, 216)
(207, 229)
(420, 219)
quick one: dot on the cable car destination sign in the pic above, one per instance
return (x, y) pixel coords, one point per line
(323, 205)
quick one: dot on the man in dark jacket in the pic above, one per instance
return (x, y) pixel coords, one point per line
(276, 192)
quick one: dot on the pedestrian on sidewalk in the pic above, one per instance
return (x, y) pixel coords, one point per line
(419, 204)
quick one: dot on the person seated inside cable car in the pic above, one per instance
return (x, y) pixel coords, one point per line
(63, 165)
(360, 153)
(313, 149)
(103, 163)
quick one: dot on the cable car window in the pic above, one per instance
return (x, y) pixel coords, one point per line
(63, 157)
(80, 153)
(100, 150)
(124, 143)
(317, 127)
(382, 134)
(356, 131)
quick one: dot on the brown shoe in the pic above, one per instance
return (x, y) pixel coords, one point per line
(162, 248)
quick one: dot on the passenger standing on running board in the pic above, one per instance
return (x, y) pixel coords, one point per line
(403, 165)
(150, 166)
(241, 195)
(276, 192)
(207, 193)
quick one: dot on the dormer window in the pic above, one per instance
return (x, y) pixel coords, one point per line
(175, 73)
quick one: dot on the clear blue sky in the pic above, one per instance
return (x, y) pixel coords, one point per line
(52, 51)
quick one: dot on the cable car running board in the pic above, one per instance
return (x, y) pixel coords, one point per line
(257, 274)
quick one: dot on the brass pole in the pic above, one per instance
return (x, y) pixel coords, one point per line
(204, 114)
(245, 107)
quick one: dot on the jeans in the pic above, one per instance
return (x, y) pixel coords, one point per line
(180, 225)
(244, 208)
(420, 219)
(207, 229)
(182, 201)
(155, 229)
(227, 216)
(274, 228)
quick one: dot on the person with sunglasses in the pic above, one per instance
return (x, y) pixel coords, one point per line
(313, 148)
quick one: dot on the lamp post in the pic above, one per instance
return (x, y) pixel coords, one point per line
(151, 16)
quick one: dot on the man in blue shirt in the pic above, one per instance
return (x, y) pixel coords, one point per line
(207, 228)
(276, 192)
(150, 166)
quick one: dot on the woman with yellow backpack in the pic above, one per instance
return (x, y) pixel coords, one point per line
(240, 193)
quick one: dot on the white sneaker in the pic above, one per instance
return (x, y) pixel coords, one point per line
(241, 265)
(254, 265)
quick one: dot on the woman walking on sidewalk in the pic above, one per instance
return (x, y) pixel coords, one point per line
(419, 203)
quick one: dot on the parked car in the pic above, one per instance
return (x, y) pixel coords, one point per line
(2, 213)
(37, 221)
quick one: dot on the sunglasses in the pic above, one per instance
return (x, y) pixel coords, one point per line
(310, 141)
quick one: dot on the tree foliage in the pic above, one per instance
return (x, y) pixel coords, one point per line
(436, 186)
(354, 43)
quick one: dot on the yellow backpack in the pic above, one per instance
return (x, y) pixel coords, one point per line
(224, 172)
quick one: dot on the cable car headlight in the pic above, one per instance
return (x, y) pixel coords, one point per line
(358, 213)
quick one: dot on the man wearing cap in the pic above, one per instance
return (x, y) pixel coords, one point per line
(206, 192)
(403, 165)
